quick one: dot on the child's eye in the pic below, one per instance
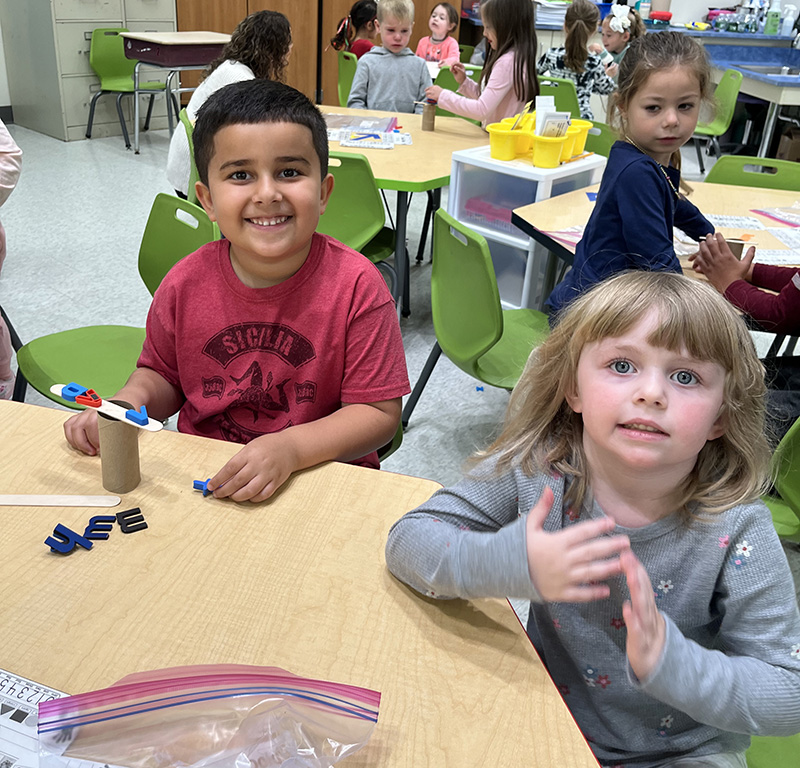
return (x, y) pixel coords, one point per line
(688, 107)
(240, 176)
(685, 377)
(621, 366)
(289, 173)
(651, 108)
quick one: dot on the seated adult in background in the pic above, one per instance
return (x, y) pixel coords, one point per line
(741, 283)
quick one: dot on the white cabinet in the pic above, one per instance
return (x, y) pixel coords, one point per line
(46, 45)
(484, 192)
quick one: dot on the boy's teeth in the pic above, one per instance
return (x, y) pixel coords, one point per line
(269, 222)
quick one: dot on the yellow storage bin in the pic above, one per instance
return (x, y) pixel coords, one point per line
(502, 141)
(547, 151)
(569, 144)
(580, 138)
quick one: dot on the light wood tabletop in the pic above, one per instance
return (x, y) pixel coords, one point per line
(574, 209)
(180, 38)
(422, 165)
(297, 582)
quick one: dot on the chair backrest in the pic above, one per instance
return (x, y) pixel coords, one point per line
(107, 57)
(446, 80)
(786, 467)
(465, 301)
(755, 172)
(600, 139)
(193, 177)
(465, 53)
(725, 95)
(563, 91)
(347, 70)
(355, 212)
(175, 228)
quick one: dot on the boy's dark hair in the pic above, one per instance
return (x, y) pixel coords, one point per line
(256, 101)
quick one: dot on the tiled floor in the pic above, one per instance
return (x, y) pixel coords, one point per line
(74, 224)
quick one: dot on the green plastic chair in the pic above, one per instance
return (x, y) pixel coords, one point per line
(725, 95)
(600, 139)
(563, 91)
(785, 505)
(103, 356)
(472, 329)
(446, 80)
(347, 71)
(387, 450)
(115, 70)
(191, 194)
(773, 752)
(465, 53)
(766, 172)
(355, 214)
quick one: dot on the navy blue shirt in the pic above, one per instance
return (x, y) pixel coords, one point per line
(631, 225)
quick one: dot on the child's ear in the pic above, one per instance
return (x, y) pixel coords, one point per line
(573, 399)
(325, 193)
(719, 427)
(204, 198)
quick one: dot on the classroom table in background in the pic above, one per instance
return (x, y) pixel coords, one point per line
(175, 52)
(297, 582)
(547, 221)
(418, 167)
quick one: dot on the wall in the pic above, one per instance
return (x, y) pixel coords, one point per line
(690, 10)
(5, 94)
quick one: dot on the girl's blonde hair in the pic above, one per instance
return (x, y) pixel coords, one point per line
(580, 23)
(542, 433)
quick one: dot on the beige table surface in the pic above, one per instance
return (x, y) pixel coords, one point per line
(180, 38)
(297, 582)
(422, 165)
(574, 209)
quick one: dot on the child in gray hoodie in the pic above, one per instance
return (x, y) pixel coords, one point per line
(391, 77)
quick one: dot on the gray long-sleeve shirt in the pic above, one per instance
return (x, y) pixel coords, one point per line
(389, 81)
(731, 661)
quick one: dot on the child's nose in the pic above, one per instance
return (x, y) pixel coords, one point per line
(651, 389)
(266, 190)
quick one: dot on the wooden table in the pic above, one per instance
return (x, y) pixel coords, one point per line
(419, 167)
(297, 582)
(575, 208)
(173, 51)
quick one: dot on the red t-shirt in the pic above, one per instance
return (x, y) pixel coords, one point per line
(250, 361)
(361, 46)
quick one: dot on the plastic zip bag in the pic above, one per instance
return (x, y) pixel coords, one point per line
(222, 716)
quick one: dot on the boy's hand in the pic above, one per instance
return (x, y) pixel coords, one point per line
(257, 471)
(565, 566)
(646, 627)
(459, 72)
(716, 261)
(433, 92)
(81, 432)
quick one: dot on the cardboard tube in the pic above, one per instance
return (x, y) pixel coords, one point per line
(119, 453)
(428, 117)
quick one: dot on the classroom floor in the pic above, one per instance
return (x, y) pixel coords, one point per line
(74, 224)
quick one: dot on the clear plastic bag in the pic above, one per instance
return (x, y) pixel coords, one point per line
(223, 716)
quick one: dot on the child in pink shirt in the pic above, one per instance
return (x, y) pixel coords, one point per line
(10, 163)
(440, 45)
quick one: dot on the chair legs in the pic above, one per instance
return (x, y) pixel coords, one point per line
(122, 121)
(699, 155)
(20, 382)
(120, 114)
(429, 211)
(427, 370)
(91, 113)
(149, 112)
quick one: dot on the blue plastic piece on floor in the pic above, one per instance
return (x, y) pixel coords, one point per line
(72, 390)
(137, 417)
(479, 389)
(592, 196)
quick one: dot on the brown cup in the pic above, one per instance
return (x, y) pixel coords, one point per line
(119, 453)
(428, 117)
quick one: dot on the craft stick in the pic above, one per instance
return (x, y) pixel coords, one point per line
(115, 411)
(44, 500)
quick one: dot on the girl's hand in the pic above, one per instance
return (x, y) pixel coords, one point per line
(565, 566)
(433, 92)
(716, 261)
(459, 73)
(595, 48)
(612, 69)
(645, 624)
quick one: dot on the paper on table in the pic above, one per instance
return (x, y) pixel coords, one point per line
(19, 706)
(788, 236)
(778, 258)
(734, 222)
